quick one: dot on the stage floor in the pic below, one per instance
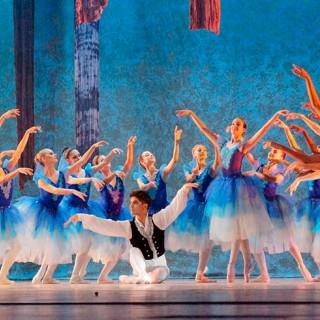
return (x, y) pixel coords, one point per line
(174, 299)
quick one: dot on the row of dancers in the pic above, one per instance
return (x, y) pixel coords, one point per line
(239, 211)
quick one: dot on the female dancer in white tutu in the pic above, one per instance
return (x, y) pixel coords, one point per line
(48, 242)
(235, 203)
(154, 180)
(190, 231)
(281, 209)
(12, 233)
(105, 249)
(72, 165)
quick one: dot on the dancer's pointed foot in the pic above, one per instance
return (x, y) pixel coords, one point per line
(201, 278)
(5, 281)
(105, 281)
(231, 274)
(262, 279)
(49, 280)
(36, 280)
(78, 280)
(306, 274)
(316, 279)
(247, 271)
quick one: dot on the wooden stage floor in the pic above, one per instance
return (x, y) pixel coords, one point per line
(174, 299)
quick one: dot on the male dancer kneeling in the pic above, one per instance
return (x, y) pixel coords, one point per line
(145, 233)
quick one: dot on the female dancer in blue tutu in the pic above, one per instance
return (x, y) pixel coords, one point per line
(235, 204)
(190, 231)
(47, 244)
(281, 209)
(154, 180)
(72, 164)
(11, 220)
(109, 251)
(308, 209)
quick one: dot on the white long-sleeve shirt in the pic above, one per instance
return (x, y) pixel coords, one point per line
(161, 219)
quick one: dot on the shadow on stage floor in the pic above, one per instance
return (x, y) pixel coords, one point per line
(174, 299)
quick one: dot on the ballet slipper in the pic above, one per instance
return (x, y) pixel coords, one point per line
(201, 278)
(316, 279)
(49, 280)
(77, 280)
(104, 281)
(36, 280)
(262, 279)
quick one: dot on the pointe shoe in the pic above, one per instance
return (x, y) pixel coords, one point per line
(201, 278)
(306, 274)
(49, 280)
(78, 280)
(247, 272)
(5, 281)
(36, 280)
(316, 279)
(231, 274)
(262, 279)
(104, 281)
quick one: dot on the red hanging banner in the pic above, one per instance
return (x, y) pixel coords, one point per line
(89, 10)
(205, 14)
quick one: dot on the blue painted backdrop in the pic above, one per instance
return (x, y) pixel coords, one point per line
(152, 65)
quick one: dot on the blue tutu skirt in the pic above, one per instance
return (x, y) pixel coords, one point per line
(236, 210)
(46, 239)
(308, 227)
(106, 248)
(80, 239)
(11, 229)
(190, 231)
(281, 210)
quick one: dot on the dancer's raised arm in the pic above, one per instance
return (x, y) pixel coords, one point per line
(312, 145)
(291, 139)
(130, 154)
(312, 92)
(86, 157)
(311, 124)
(176, 150)
(12, 113)
(251, 143)
(199, 123)
(21, 146)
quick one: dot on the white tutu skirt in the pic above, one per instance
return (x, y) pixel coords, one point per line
(46, 241)
(104, 248)
(281, 210)
(307, 234)
(12, 233)
(236, 210)
(190, 231)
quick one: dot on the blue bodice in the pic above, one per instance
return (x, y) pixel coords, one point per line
(85, 188)
(314, 189)
(158, 194)
(270, 187)
(203, 179)
(112, 197)
(231, 160)
(51, 200)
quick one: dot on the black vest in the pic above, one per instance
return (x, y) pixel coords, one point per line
(151, 248)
